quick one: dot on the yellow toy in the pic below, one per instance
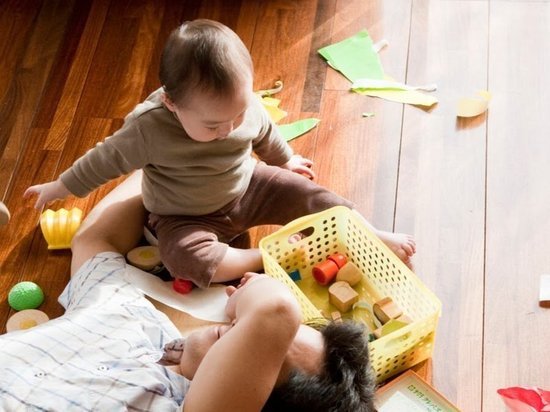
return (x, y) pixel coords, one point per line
(59, 227)
(146, 258)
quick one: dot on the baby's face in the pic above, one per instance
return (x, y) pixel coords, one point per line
(206, 118)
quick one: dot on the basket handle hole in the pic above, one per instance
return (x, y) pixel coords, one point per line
(302, 234)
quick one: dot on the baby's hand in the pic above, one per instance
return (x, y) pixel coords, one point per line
(47, 192)
(301, 165)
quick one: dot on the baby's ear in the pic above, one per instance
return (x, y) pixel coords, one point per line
(167, 101)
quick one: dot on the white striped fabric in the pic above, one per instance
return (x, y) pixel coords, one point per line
(101, 355)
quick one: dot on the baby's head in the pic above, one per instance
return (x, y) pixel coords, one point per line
(206, 72)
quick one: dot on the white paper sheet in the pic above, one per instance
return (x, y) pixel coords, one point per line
(207, 304)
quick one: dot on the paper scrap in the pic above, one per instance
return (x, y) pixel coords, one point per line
(367, 114)
(208, 304)
(522, 399)
(357, 59)
(272, 106)
(401, 96)
(380, 45)
(390, 84)
(292, 130)
(474, 106)
(269, 92)
(354, 57)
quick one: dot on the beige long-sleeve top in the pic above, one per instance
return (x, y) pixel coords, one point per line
(180, 175)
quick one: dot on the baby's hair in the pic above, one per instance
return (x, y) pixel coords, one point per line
(203, 55)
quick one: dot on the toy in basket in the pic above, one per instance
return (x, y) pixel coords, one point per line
(340, 230)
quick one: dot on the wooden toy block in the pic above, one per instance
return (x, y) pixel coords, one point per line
(386, 309)
(349, 273)
(336, 316)
(342, 296)
(544, 293)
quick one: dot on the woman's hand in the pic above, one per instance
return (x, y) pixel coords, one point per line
(301, 165)
(47, 192)
(234, 292)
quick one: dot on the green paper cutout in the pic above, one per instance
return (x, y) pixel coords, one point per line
(354, 57)
(293, 130)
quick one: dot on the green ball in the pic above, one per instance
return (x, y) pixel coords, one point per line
(25, 295)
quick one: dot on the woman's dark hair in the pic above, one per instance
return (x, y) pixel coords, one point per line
(205, 55)
(346, 383)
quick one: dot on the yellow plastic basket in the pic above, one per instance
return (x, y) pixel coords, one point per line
(342, 230)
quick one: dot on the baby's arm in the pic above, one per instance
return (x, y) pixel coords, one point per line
(274, 150)
(47, 192)
(119, 154)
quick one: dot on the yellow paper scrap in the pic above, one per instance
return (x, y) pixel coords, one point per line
(400, 96)
(270, 103)
(272, 106)
(474, 106)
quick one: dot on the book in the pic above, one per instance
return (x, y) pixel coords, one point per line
(410, 393)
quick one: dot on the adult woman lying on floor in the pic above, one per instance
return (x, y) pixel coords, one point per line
(110, 349)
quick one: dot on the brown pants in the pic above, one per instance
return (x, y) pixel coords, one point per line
(192, 247)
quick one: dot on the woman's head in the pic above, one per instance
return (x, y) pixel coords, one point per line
(345, 381)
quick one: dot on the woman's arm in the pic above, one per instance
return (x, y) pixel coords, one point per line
(239, 371)
(114, 224)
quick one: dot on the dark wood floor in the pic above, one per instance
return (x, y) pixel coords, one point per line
(473, 192)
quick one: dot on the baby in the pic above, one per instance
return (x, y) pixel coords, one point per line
(194, 138)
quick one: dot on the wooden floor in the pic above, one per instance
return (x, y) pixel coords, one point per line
(473, 192)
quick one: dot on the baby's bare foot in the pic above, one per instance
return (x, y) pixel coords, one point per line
(295, 238)
(401, 244)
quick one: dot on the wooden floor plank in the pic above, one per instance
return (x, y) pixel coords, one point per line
(281, 47)
(16, 24)
(517, 330)
(27, 80)
(442, 185)
(62, 64)
(316, 68)
(365, 169)
(72, 90)
(132, 81)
